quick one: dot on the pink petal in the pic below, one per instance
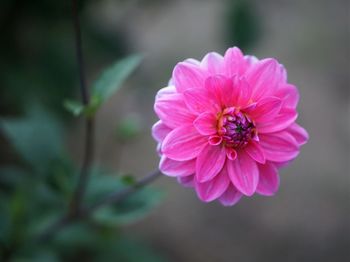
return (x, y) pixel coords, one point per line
(183, 143)
(211, 190)
(215, 140)
(283, 72)
(254, 150)
(268, 180)
(243, 173)
(279, 147)
(209, 162)
(250, 60)
(266, 109)
(285, 118)
(192, 62)
(206, 124)
(213, 63)
(219, 88)
(264, 77)
(234, 62)
(299, 133)
(169, 90)
(198, 100)
(230, 197)
(289, 94)
(186, 181)
(159, 131)
(187, 75)
(175, 168)
(242, 91)
(231, 153)
(172, 110)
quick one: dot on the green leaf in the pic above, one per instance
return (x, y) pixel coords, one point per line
(113, 77)
(77, 108)
(105, 86)
(37, 137)
(74, 107)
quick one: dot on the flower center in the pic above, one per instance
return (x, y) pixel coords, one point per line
(235, 128)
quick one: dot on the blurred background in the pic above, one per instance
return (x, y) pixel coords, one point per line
(308, 220)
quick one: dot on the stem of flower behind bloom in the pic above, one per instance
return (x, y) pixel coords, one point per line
(79, 192)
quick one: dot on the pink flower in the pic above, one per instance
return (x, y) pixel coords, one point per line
(227, 124)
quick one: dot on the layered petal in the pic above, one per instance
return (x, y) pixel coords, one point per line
(289, 95)
(285, 118)
(188, 75)
(213, 63)
(186, 181)
(243, 173)
(159, 131)
(198, 100)
(265, 77)
(175, 168)
(230, 197)
(268, 180)
(220, 88)
(209, 162)
(299, 133)
(254, 150)
(172, 110)
(266, 109)
(234, 62)
(279, 147)
(211, 190)
(183, 143)
(206, 123)
(165, 91)
(242, 92)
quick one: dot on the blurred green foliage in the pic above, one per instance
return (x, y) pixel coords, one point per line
(37, 52)
(242, 24)
(38, 72)
(128, 128)
(34, 194)
(105, 86)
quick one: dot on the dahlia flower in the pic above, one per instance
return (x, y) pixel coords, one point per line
(227, 125)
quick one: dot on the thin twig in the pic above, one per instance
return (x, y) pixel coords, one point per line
(112, 198)
(118, 196)
(79, 193)
(79, 52)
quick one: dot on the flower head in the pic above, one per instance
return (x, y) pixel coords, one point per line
(227, 124)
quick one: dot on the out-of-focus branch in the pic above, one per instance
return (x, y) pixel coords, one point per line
(112, 198)
(77, 211)
(79, 192)
(118, 196)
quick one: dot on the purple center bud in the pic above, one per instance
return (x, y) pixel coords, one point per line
(236, 128)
